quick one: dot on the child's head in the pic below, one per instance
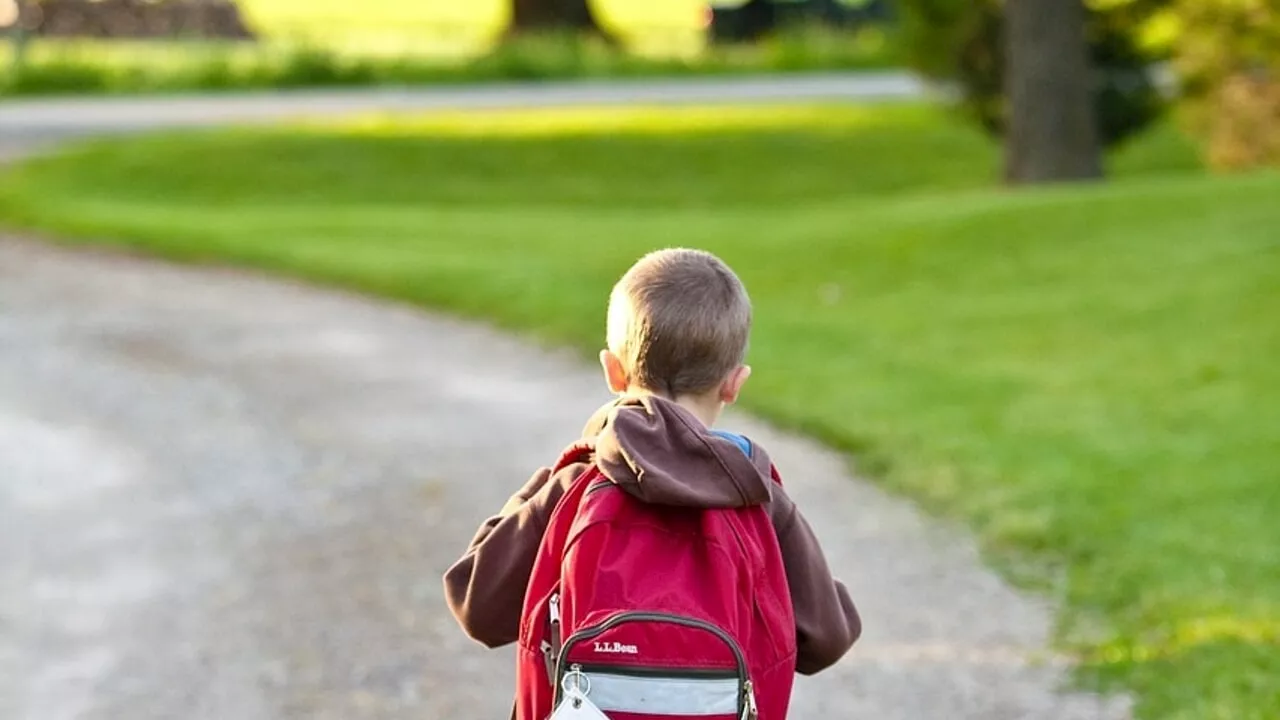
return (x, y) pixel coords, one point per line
(678, 326)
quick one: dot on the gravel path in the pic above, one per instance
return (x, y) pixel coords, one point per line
(229, 497)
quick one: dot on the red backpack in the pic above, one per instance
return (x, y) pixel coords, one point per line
(655, 612)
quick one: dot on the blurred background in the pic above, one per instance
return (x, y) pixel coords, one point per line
(1216, 51)
(393, 41)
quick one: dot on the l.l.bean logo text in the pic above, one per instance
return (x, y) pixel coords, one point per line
(616, 648)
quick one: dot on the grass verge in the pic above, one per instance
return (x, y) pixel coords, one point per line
(1085, 375)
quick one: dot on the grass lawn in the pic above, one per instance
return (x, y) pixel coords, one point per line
(1087, 376)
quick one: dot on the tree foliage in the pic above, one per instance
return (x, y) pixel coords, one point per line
(1228, 56)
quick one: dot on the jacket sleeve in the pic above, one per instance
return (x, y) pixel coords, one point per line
(485, 588)
(827, 623)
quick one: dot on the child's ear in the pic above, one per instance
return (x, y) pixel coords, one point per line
(732, 386)
(615, 375)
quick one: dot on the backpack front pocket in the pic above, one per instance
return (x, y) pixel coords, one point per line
(655, 665)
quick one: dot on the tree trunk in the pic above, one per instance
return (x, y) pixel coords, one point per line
(538, 15)
(1052, 133)
(16, 19)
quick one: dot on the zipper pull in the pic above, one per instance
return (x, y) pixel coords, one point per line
(549, 659)
(576, 686)
(554, 611)
(749, 709)
(551, 647)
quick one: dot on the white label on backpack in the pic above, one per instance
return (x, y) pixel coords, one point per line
(576, 706)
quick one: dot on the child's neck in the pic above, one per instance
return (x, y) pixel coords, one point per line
(705, 409)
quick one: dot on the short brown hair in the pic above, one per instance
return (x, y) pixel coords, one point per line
(679, 320)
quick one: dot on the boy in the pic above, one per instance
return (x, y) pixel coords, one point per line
(678, 325)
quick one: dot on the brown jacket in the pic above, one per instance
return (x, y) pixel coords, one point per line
(659, 453)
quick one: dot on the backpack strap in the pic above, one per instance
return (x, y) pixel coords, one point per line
(556, 537)
(579, 452)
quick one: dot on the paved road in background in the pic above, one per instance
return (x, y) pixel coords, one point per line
(26, 123)
(228, 497)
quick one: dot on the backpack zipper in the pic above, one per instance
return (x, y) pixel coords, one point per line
(551, 647)
(649, 672)
(746, 702)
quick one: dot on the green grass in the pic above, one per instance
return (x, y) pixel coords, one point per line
(1086, 375)
(56, 67)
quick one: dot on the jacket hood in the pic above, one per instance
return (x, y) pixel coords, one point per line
(659, 453)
